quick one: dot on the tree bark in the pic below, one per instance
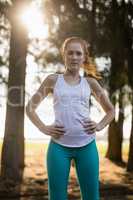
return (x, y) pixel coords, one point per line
(130, 156)
(115, 136)
(130, 75)
(12, 161)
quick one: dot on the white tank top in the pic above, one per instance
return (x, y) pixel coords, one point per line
(71, 108)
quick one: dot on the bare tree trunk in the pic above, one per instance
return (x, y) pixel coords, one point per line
(13, 145)
(115, 136)
(130, 75)
(130, 156)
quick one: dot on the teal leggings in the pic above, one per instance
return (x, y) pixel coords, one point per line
(87, 169)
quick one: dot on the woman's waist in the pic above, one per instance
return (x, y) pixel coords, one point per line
(76, 106)
(72, 116)
(71, 127)
(70, 120)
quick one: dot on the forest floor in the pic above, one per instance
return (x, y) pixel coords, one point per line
(115, 182)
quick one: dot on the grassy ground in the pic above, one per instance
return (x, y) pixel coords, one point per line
(115, 182)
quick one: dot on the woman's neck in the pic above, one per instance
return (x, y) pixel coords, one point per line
(72, 74)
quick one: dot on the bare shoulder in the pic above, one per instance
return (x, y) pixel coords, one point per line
(100, 95)
(48, 84)
(91, 80)
(45, 88)
(95, 86)
(50, 81)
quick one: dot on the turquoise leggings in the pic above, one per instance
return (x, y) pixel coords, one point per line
(87, 169)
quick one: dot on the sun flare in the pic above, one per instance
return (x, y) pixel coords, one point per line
(32, 17)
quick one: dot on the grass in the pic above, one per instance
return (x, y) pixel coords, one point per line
(110, 173)
(35, 145)
(102, 147)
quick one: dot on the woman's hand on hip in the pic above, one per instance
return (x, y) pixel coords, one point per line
(53, 130)
(90, 126)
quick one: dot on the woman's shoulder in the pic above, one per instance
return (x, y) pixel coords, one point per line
(94, 84)
(89, 78)
(52, 78)
(92, 81)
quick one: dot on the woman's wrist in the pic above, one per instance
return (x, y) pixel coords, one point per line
(98, 127)
(41, 127)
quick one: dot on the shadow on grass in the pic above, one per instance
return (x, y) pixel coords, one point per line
(37, 189)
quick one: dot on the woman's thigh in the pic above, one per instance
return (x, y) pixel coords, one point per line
(58, 168)
(87, 168)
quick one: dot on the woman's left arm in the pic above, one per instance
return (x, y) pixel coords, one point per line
(104, 101)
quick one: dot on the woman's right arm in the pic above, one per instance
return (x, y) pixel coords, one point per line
(45, 88)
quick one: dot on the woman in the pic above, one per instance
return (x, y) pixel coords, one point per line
(73, 132)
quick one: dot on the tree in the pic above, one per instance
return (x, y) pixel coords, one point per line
(12, 161)
(118, 78)
(130, 75)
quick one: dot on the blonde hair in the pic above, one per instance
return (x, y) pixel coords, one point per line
(89, 64)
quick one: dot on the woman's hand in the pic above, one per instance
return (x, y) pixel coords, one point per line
(91, 126)
(53, 130)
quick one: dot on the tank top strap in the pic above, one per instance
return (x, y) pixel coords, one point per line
(59, 83)
(69, 86)
(59, 79)
(86, 84)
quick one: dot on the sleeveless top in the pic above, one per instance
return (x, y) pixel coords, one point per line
(71, 108)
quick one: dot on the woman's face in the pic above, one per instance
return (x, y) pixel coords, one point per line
(74, 56)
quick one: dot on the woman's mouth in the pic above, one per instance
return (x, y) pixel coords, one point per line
(73, 63)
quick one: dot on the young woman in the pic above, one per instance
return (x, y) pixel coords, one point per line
(73, 132)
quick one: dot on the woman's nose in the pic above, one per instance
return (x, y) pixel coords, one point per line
(74, 56)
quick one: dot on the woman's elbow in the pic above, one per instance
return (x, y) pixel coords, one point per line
(112, 112)
(30, 109)
(27, 109)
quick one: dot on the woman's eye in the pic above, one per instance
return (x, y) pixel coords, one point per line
(76, 53)
(70, 53)
(79, 53)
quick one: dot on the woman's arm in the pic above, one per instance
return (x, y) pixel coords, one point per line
(43, 91)
(36, 99)
(104, 101)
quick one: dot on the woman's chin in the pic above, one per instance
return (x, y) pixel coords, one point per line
(74, 68)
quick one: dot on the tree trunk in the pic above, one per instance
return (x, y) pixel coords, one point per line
(130, 156)
(118, 78)
(130, 75)
(115, 136)
(13, 145)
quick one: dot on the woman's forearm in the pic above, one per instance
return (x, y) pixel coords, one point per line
(106, 120)
(35, 119)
